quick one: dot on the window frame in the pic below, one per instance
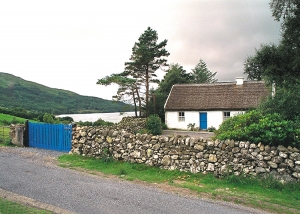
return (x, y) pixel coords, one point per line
(181, 116)
(225, 116)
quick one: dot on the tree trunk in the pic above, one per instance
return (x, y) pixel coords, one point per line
(147, 90)
(134, 101)
(139, 100)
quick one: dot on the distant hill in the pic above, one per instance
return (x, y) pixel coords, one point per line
(16, 92)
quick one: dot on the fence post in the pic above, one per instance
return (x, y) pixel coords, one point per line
(26, 134)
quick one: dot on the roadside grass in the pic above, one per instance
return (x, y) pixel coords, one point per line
(6, 142)
(9, 207)
(265, 194)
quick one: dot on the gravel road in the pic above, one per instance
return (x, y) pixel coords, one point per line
(33, 173)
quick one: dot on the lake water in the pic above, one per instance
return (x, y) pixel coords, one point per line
(114, 117)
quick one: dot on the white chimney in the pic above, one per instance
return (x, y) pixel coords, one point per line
(239, 80)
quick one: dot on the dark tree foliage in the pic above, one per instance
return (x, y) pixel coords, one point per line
(128, 90)
(201, 74)
(283, 8)
(147, 57)
(174, 75)
(177, 75)
(280, 64)
(286, 102)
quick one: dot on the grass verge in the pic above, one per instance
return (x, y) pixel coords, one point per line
(265, 194)
(9, 207)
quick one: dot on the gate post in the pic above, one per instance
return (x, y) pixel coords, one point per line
(17, 134)
(26, 134)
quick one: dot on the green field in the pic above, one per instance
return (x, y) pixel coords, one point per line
(5, 121)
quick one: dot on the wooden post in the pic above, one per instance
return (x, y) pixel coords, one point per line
(26, 134)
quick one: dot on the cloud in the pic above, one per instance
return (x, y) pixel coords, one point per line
(222, 33)
(71, 44)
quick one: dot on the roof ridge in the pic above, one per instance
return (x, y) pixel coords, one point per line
(216, 83)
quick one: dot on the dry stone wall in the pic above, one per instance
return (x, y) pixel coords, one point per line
(188, 153)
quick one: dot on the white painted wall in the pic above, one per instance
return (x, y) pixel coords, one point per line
(214, 118)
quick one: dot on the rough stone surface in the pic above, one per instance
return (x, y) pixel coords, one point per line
(188, 154)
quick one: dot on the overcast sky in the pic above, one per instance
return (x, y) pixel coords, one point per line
(70, 44)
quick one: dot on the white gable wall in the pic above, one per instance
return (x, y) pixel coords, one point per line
(214, 118)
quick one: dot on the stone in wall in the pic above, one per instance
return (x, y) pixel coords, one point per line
(188, 154)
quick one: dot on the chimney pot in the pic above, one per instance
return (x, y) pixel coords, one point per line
(239, 80)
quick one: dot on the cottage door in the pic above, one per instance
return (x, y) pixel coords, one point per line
(203, 120)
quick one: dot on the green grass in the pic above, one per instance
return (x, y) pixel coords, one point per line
(6, 119)
(9, 207)
(265, 194)
(4, 136)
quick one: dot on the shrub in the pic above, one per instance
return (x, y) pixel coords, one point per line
(143, 131)
(191, 126)
(101, 122)
(254, 127)
(86, 123)
(48, 118)
(65, 120)
(164, 126)
(153, 125)
(211, 129)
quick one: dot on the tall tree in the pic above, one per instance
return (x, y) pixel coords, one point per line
(201, 74)
(147, 57)
(128, 89)
(280, 64)
(283, 8)
(174, 75)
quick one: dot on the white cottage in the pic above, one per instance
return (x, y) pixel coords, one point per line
(208, 105)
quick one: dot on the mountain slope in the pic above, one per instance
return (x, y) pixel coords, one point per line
(17, 92)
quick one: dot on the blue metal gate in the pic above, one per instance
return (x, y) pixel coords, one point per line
(50, 136)
(203, 120)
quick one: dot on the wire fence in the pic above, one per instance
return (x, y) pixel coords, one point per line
(4, 134)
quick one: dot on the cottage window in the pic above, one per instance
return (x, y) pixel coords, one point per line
(181, 116)
(226, 115)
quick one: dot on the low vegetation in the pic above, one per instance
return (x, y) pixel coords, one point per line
(154, 125)
(255, 127)
(5, 121)
(99, 122)
(9, 207)
(266, 194)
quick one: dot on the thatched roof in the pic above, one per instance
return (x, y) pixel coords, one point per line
(216, 96)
